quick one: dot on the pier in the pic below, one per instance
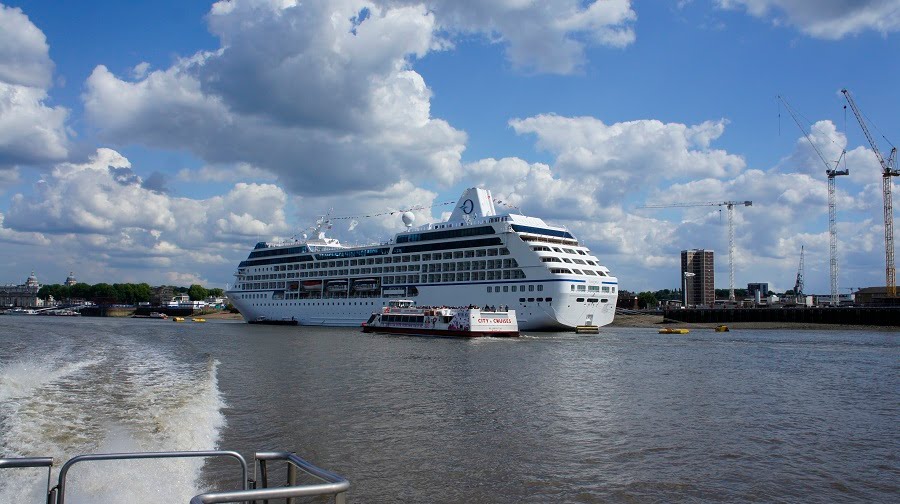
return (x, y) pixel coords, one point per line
(850, 315)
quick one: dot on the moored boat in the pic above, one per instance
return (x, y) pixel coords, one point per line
(672, 330)
(402, 316)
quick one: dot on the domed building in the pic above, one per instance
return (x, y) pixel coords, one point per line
(70, 280)
(24, 296)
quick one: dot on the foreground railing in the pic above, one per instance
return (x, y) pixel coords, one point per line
(333, 484)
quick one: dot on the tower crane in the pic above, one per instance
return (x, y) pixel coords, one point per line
(730, 206)
(831, 172)
(887, 171)
(798, 284)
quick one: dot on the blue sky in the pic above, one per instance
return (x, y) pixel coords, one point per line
(158, 141)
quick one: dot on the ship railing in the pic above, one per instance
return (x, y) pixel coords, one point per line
(252, 490)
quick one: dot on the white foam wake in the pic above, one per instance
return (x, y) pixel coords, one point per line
(138, 401)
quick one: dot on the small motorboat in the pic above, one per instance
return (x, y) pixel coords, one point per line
(177, 319)
(198, 319)
(722, 328)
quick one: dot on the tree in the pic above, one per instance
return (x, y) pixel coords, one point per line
(216, 292)
(197, 292)
(647, 300)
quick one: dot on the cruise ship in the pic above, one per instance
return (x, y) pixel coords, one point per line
(477, 257)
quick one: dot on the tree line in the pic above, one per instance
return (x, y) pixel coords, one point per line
(125, 293)
(649, 299)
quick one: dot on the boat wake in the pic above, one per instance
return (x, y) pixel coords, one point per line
(131, 399)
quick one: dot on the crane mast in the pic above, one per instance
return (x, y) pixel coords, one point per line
(888, 171)
(730, 206)
(832, 214)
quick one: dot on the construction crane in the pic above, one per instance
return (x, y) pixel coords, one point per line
(831, 172)
(887, 171)
(798, 284)
(730, 206)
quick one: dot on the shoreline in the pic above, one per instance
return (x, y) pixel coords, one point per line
(659, 322)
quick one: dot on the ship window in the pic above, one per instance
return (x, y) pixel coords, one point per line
(505, 288)
(521, 288)
(521, 300)
(604, 300)
(580, 300)
(530, 300)
(566, 260)
(540, 299)
(592, 300)
(540, 287)
(489, 288)
(549, 299)
(581, 287)
(531, 288)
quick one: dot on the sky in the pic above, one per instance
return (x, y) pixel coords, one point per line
(159, 141)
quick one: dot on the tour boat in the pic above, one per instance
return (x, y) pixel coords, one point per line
(402, 316)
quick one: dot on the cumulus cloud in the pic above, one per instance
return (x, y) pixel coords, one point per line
(30, 131)
(299, 90)
(611, 160)
(104, 209)
(825, 19)
(325, 90)
(548, 36)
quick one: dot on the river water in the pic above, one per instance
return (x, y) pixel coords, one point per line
(625, 416)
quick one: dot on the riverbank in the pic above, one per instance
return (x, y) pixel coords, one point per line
(658, 321)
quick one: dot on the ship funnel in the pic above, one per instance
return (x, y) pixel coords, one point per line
(473, 203)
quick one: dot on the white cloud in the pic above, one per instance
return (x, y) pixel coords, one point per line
(100, 209)
(548, 36)
(24, 54)
(612, 160)
(11, 236)
(30, 131)
(299, 90)
(825, 19)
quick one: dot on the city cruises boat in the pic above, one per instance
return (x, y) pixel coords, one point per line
(478, 256)
(404, 317)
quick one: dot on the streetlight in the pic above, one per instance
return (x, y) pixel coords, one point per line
(687, 274)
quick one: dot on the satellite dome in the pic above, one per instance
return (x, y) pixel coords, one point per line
(409, 218)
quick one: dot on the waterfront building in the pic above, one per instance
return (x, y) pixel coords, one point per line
(698, 275)
(758, 291)
(24, 296)
(161, 295)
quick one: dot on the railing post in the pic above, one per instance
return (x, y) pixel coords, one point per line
(291, 480)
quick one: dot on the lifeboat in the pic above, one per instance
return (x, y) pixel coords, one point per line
(336, 286)
(672, 330)
(312, 285)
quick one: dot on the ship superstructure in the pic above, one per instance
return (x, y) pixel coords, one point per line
(478, 256)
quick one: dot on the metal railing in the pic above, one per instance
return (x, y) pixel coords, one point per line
(333, 484)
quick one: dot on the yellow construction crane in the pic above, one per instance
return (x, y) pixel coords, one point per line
(730, 206)
(887, 171)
